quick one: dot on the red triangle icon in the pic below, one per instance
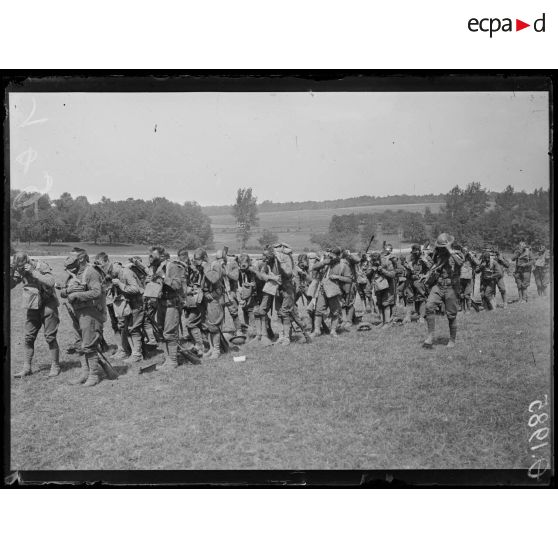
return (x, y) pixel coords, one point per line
(519, 25)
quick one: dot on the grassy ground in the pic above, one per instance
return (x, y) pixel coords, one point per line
(366, 400)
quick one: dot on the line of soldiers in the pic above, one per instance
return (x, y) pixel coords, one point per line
(181, 303)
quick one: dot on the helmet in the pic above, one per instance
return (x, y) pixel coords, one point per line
(200, 254)
(219, 255)
(445, 240)
(312, 256)
(244, 261)
(335, 252)
(415, 248)
(20, 259)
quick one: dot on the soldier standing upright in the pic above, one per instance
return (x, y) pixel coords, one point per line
(523, 265)
(364, 287)
(382, 276)
(231, 273)
(212, 297)
(542, 270)
(333, 274)
(490, 272)
(128, 287)
(443, 277)
(86, 295)
(172, 275)
(500, 284)
(415, 289)
(41, 306)
(467, 278)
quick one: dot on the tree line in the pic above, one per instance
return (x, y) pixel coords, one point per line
(133, 221)
(269, 206)
(471, 214)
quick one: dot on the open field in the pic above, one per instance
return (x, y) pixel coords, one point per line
(316, 220)
(366, 400)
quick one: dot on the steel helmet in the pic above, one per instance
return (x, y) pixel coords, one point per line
(445, 240)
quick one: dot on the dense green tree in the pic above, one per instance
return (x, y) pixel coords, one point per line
(245, 211)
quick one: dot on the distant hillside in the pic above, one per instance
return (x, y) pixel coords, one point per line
(269, 206)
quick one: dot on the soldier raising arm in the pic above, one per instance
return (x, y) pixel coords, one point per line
(41, 306)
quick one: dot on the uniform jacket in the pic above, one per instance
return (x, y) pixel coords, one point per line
(543, 260)
(93, 298)
(448, 267)
(130, 283)
(39, 283)
(490, 271)
(213, 287)
(523, 258)
(418, 267)
(470, 264)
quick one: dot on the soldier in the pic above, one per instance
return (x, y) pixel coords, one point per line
(490, 272)
(401, 280)
(415, 289)
(349, 289)
(212, 299)
(333, 274)
(128, 287)
(443, 277)
(231, 274)
(250, 291)
(542, 270)
(152, 294)
(41, 305)
(523, 265)
(194, 306)
(86, 295)
(505, 264)
(364, 287)
(467, 278)
(172, 276)
(277, 272)
(382, 276)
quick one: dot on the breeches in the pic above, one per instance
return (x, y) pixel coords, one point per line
(442, 295)
(323, 304)
(46, 317)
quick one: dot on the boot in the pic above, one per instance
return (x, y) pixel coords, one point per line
(407, 318)
(453, 333)
(28, 352)
(216, 347)
(171, 362)
(258, 323)
(54, 359)
(285, 336)
(83, 375)
(317, 326)
(237, 326)
(334, 326)
(95, 370)
(431, 323)
(136, 355)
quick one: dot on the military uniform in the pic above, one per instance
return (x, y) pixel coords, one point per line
(445, 275)
(230, 278)
(542, 271)
(416, 292)
(490, 272)
(129, 285)
(334, 274)
(382, 277)
(277, 272)
(172, 275)
(89, 305)
(349, 288)
(213, 305)
(41, 306)
(467, 280)
(500, 284)
(364, 287)
(194, 307)
(523, 265)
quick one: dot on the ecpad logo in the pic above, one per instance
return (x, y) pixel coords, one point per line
(494, 24)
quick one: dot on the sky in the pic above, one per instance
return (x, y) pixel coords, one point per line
(286, 146)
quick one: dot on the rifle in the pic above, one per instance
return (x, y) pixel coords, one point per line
(370, 243)
(99, 349)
